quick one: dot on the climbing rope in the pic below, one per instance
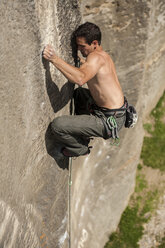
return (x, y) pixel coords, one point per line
(70, 197)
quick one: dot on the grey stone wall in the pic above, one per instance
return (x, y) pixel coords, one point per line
(134, 35)
(33, 184)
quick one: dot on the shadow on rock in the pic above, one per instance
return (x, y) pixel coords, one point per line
(58, 98)
(54, 150)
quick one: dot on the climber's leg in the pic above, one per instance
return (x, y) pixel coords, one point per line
(73, 132)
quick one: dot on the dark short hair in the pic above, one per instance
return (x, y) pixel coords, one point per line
(89, 31)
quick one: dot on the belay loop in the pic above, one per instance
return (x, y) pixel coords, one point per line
(111, 122)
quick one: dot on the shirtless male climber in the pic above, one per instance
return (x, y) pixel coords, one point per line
(103, 98)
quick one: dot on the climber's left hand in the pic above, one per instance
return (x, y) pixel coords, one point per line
(49, 53)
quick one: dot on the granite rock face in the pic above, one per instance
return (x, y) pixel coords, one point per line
(134, 36)
(33, 182)
(33, 178)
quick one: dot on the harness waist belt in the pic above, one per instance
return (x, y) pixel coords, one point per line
(114, 112)
(117, 113)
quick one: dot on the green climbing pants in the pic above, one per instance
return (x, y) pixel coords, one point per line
(73, 132)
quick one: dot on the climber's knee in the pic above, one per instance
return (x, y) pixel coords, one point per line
(58, 125)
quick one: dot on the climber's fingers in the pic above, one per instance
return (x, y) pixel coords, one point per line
(48, 52)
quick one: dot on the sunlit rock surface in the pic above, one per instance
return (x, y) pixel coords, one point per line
(33, 186)
(33, 179)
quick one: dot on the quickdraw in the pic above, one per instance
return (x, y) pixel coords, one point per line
(111, 122)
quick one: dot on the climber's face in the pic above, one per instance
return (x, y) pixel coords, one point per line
(84, 47)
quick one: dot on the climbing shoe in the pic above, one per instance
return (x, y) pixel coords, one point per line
(67, 153)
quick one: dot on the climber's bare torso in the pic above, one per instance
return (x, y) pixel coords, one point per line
(104, 86)
(97, 71)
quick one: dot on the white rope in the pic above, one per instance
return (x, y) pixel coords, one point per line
(69, 201)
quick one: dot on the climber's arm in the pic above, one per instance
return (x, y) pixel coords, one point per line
(75, 75)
